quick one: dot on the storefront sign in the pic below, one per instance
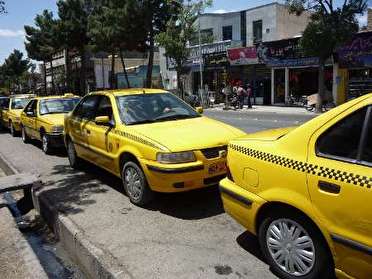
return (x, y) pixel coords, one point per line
(242, 56)
(215, 60)
(284, 53)
(358, 53)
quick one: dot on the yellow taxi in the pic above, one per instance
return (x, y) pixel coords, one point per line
(306, 192)
(151, 139)
(43, 119)
(11, 112)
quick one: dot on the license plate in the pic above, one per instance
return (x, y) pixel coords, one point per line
(217, 167)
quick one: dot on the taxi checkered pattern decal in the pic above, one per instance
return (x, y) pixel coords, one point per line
(338, 175)
(137, 139)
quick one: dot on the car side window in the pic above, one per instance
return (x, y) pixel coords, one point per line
(342, 140)
(31, 107)
(86, 108)
(104, 107)
(367, 149)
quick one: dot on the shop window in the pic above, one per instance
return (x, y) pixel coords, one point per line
(257, 31)
(227, 33)
(342, 140)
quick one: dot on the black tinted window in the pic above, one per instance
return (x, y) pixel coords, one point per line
(342, 139)
(367, 150)
(86, 109)
(104, 107)
(31, 107)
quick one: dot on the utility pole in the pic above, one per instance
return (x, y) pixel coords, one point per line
(200, 52)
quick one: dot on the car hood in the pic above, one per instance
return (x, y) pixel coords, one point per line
(269, 135)
(189, 134)
(56, 119)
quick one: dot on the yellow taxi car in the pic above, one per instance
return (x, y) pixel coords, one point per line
(306, 193)
(11, 112)
(151, 139)
(43, 119)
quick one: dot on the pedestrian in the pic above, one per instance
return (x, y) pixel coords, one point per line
(249, 95)
(226, 91)
(241, 95)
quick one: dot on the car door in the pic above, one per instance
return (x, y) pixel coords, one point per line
(341, 186)
(29, 118)
(4, 106)
(98, 134)
(82, 114)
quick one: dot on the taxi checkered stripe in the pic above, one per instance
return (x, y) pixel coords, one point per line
(137, 139)
(325, 172)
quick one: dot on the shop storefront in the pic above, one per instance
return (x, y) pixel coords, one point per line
(355, 64)
(245, 68)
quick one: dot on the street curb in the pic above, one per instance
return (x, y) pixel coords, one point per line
(94, 262)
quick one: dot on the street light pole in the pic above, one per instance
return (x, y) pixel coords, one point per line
(200, 53)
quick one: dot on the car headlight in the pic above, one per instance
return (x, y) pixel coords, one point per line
(176, 158)
(57, 129)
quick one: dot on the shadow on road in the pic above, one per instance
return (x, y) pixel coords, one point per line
(249, 242)
(73, 189)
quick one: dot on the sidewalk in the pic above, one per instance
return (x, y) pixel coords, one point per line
(266, 109)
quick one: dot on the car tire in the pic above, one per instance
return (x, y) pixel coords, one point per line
(12, 130)
(73, 158)
(305, 248)
(45, 144)
(135, 184)
(25, 137)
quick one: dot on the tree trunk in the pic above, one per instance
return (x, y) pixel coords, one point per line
(52, 76)
(151, 60)
(320, 85)
(83, 72)
(45, 78)
(124, 69)
(68, 72)
(112, 75)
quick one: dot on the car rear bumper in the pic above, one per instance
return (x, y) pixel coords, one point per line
(182, 177)
(241, 204)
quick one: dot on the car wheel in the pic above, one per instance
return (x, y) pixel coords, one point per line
(25, 137)
(135, 184)
(73, 158)
(12, 130)
(45, 144)
(294, 247)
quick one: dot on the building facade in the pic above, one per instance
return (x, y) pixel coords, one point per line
(235, 33)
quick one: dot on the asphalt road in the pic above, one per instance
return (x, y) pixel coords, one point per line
(185, 235)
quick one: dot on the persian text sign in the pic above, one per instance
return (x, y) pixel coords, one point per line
(242, 56)
(358, 53)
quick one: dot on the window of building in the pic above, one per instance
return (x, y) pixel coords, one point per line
(343, 139)
(206, 36)
(257, 31)
(227, 33)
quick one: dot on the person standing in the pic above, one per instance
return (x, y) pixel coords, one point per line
(241, 95)
(249, 95)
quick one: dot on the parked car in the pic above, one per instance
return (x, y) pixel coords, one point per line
(43, 119)
(4, 105)
(306, 193)
(151, 139)
(11, 112)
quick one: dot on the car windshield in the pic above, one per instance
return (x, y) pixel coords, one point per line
(149, 108)
(58, 105)
(19, 103)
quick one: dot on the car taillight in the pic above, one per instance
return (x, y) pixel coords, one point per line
(228, 172)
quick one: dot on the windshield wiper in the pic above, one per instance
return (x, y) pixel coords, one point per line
(174, 117)
(141, 122)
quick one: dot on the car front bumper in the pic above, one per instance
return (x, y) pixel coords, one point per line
(182, 177)
(241, 204)
(56, 139)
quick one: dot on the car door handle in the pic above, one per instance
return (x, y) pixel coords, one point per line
(329, 187)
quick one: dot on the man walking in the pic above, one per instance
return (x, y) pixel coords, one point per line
(249, 94)
(241, 95)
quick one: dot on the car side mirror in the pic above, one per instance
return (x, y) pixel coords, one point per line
(199, 110)
(103, 120)
(30, 113)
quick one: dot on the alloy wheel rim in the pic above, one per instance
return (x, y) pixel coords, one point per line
(133, 182)
(45, 143)
(71, 154)
(291, 247)
(11, 129)
(23, 134)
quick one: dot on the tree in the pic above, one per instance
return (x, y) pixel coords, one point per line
(156, 14)
(2, 7)
(179, 32)
(74, 16)
(43, 41)
(330, 27)
(13, 69)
